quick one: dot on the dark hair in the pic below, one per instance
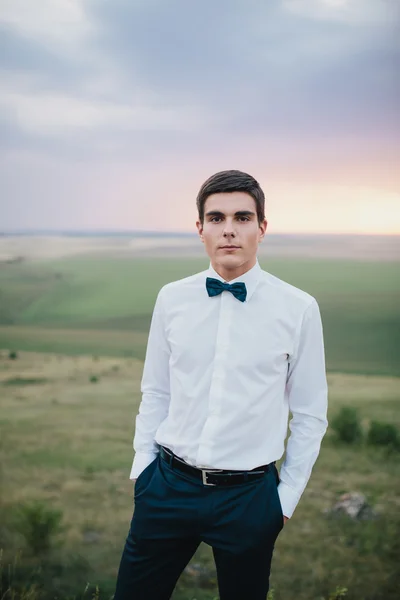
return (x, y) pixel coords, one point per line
(231, 181)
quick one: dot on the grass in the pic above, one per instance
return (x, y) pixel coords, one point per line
(95, 305)
(66, 442)
(75, 341)
(24, 380)
(68, 404)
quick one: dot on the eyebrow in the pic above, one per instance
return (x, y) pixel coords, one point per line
(239, 213)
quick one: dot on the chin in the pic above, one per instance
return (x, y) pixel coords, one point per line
(231, 260)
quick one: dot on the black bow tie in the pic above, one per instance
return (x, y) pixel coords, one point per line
(215, 287)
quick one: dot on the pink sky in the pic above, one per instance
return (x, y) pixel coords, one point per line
(113, 114)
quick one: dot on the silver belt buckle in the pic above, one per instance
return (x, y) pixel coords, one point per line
(204, 474)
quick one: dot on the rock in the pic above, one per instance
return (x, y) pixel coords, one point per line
(90, 537)
(204, 576)
(196, 570)
(354, 505)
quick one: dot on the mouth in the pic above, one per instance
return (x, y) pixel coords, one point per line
(229, 247)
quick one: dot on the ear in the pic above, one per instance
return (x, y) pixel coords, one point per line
(263, 229)
(199, 226)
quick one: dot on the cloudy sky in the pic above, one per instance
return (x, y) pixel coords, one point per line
(113, 112)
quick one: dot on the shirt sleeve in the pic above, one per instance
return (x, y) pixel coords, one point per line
(307, 390)
(155, 388)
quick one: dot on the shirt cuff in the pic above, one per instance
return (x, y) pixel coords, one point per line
(289, 499)
(140, 462)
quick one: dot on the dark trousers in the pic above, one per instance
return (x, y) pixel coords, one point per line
(174, 513)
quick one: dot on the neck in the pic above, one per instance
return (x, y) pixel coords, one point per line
(231, 273)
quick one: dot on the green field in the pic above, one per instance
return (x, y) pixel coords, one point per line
(68, 443)
(103, 306)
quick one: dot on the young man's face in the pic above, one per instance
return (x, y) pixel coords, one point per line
(230, 219)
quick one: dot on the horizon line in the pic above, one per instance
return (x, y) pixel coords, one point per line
(171, 233)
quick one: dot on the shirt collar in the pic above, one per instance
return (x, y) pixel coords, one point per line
(250, 278)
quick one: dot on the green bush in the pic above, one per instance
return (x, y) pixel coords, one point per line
(25, 381)
(347, 425)
(93, 379)
(13, 355)
(383, 434)
(46, 577)
(39, 525)
(338, 593)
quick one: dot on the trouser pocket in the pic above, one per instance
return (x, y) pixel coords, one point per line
(277, 481)
(144, 479)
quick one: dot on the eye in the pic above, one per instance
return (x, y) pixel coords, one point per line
(212, 220)
(245, 218)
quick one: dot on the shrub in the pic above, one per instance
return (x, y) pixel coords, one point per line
(25, 381)
(93, 379)
(13, 355)
(383, 434)
(54, 575)
(39, 525)
(347, 425)
(89, 472)
(338, 593)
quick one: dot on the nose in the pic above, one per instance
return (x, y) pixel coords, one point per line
(229, 229)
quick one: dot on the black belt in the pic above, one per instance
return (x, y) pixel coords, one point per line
(212, 476)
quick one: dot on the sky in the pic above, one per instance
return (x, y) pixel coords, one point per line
(114, 112)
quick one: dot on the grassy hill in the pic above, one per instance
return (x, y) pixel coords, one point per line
(101, 305)
(67, 443)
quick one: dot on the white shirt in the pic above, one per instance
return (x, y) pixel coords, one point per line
(221, 375)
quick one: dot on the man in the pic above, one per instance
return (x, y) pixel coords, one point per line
(230, 351)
